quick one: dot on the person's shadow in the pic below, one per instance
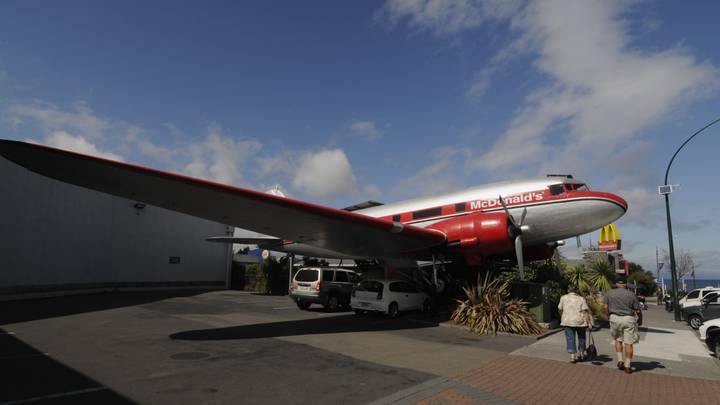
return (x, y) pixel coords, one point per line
(600, 359)
(646, 365)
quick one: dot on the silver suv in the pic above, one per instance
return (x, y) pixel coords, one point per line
(327, 286)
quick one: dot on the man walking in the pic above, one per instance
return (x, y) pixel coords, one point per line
(621, 305)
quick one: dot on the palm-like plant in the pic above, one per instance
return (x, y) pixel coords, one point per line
(489, 309)
(603, 275)
(579, 276)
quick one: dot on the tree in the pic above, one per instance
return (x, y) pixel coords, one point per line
(603, 274)
(644, 279)
(579, 276)
(684, 262)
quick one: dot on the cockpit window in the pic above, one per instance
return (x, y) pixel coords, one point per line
(576, 187)
(556, 189)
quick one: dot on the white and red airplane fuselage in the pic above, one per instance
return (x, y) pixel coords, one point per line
(557, 208)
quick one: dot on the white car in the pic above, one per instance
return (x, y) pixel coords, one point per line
(695, 297)
(388, 297)
(710, 334)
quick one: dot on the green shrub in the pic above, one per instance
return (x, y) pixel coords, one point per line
(489, 309)
(256, 279)
(596, 307)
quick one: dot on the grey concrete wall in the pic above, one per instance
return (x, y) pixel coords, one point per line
(56, 235)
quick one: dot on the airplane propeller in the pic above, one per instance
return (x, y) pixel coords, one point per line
(516, 230)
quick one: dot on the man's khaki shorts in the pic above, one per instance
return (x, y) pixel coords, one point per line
(624, 329)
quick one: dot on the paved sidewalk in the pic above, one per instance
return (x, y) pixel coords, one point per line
(672, 365)
(517, 379)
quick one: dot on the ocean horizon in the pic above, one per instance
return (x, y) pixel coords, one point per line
(699, 283)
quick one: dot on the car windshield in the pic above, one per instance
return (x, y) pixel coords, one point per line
(693, 294)
(307, 275)
(371, 286)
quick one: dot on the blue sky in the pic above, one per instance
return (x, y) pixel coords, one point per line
(343, 101)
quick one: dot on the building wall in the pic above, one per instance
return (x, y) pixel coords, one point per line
(55, 235)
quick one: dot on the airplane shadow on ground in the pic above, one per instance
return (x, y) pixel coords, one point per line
(337, 324)
(43, 308)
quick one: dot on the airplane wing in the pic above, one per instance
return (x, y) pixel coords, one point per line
(286, 218)
(246, 241)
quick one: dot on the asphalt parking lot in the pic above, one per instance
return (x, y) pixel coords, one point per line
(222, 347)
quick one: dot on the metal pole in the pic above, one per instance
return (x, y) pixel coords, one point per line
(290, 270)
(673, 271)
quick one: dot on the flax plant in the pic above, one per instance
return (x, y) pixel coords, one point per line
(488, 308)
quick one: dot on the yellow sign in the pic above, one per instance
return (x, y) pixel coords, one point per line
(609, 238)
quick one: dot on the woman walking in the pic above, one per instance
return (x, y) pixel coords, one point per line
(575, 317)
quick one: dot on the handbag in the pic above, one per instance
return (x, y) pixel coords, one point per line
(591, 349)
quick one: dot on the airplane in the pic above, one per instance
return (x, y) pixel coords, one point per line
(524, 219)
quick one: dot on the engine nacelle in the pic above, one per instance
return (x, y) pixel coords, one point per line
(483, 234)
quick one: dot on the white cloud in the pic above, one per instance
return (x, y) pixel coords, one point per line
(602, 93)
(437, 177)
(446, 17)
(76, 143)
(219, 157)
(80, 119)
(324, 173)
(365, 129)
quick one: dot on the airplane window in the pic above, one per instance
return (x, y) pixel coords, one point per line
(396, 218)
(556, 189)
(460, 207)
(576, 187)
(431, 212)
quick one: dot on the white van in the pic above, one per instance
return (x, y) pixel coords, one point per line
(695, 297)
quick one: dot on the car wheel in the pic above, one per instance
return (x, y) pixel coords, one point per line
(303, 305)
(333, 303)
(393, 310)
(717, 347)
(695, 321)
(426, 306)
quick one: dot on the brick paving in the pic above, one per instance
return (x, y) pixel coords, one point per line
(527, 380)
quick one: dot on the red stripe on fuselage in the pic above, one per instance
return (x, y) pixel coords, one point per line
(527, 199)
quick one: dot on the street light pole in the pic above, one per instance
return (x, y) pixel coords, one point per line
(673, 272)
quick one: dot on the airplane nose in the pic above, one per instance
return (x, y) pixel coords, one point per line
(616, 206)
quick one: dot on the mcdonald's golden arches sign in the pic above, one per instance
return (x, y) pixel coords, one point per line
(609, 238)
